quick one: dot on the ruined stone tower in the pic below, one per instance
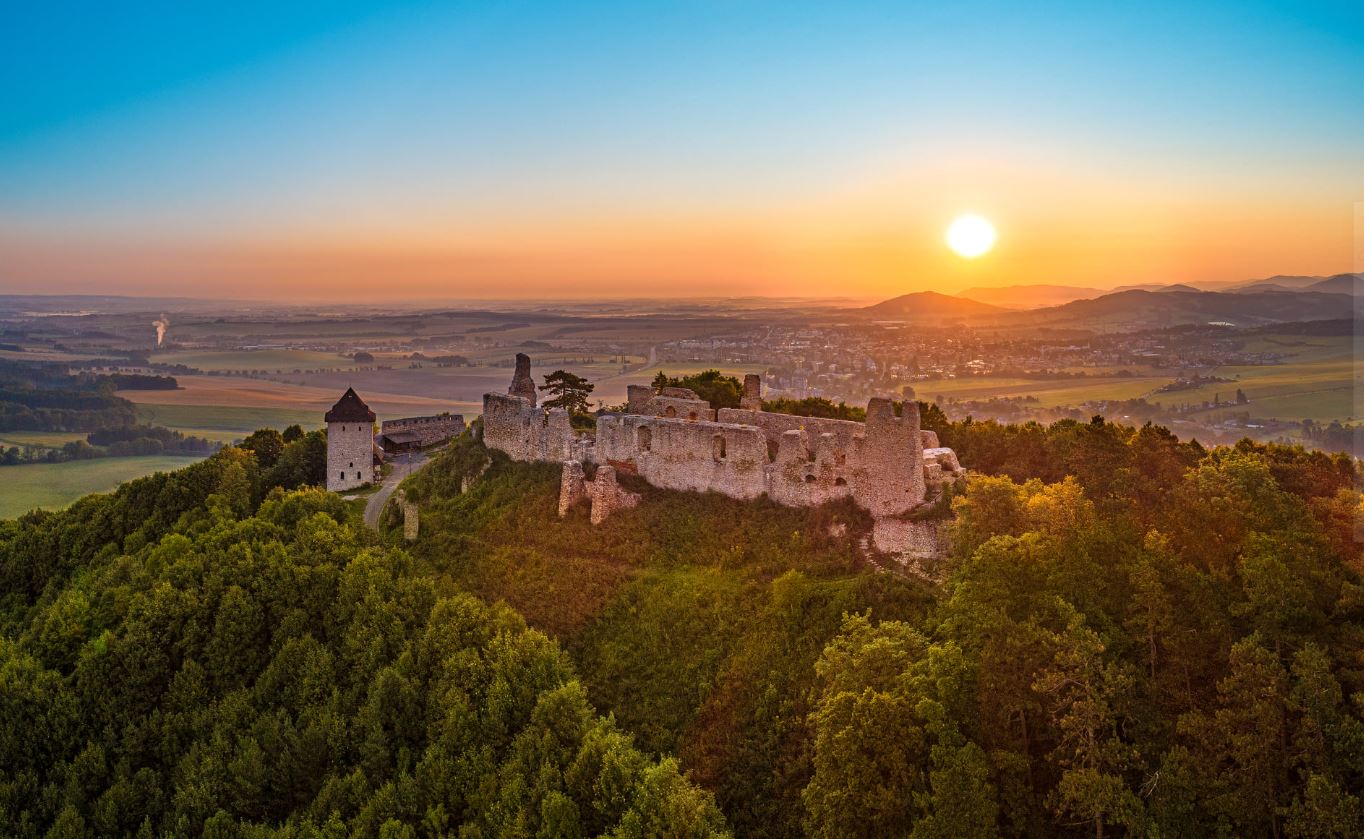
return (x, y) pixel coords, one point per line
(522, 384)
(350, 443)
(753, 393)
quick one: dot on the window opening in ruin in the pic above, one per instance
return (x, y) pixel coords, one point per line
(343, 475)
(643, 438)
(839, 482)
(718, 446)
(841, 459)
(670, 411)
(809, 479)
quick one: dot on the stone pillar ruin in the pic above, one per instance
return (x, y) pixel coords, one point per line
(752, 399)
(572, 486)
(890, 474)
(637, 398)
(410, 521)
(607, 496)
(522, 384)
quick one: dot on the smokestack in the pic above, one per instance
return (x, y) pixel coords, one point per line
(162, 324)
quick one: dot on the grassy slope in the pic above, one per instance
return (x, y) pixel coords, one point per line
(54, 485)
(694, 619)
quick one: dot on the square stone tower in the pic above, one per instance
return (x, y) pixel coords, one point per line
(350, 443)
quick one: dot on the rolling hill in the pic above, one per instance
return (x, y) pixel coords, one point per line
(1340, 284)
(1143, 309)
(929, 305)
(1030, 296)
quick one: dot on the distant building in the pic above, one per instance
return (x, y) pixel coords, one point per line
(351, 456)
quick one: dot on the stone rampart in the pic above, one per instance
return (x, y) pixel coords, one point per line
(429, 430)
(887, 465)
(525, 432)
(686, 455)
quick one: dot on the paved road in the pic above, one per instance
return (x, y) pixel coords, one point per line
(403, 465)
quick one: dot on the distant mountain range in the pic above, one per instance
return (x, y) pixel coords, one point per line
(1146, 309)
(925, 305)
(1030, 296)
(1271, 300)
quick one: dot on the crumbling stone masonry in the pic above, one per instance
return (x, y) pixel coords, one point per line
(424, 431)
(887, 465)
(753, 393)
(603, 492)
(607, 495)
(572, 486)
(411, 521)
(522, 384)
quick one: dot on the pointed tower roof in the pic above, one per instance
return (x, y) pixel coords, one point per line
(350, 408)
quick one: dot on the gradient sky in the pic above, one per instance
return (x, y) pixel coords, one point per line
(557, 150)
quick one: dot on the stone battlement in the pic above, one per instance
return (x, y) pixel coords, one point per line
(426, 430)
(888, 466)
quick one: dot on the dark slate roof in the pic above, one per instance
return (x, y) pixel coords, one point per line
(349, 408)
(400, 437)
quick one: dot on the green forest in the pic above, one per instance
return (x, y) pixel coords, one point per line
(1132, 636)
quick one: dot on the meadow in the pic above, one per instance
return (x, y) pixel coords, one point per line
(43, 439)
(272, 360)
(55, 485)
(1050, 393)
(1319, 380)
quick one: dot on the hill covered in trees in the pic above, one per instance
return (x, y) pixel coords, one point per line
(200, 654)
(1133, 636)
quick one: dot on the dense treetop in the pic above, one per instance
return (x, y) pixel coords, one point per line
(179, 659)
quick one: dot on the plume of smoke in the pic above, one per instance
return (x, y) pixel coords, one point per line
(162, 324)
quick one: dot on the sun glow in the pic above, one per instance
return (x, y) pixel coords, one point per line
(971, 236)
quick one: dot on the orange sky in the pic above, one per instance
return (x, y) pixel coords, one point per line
(463, 151)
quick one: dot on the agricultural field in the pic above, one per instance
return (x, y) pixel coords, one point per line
(45, 439)
(55, 485)
(271, 360)
(224, 422)
(1050, 393)
(1320, 380)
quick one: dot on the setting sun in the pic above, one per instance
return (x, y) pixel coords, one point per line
(971, 236)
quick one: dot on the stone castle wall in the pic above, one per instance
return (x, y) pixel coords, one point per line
(516, 426)
(350, 455)
(887, 465)
(686, 455)
(431, 430)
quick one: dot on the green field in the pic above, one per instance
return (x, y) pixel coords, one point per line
(55, 485)
(46, 439)
(1318, 381)
(224, 423)
(272, 360)
(1049, 392)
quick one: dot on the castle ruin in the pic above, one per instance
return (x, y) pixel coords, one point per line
(673, 439)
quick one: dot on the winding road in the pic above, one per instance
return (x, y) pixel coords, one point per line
(403, 465)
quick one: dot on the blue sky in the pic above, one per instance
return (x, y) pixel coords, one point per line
(501, 140)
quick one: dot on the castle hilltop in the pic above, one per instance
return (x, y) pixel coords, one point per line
(673, 439)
